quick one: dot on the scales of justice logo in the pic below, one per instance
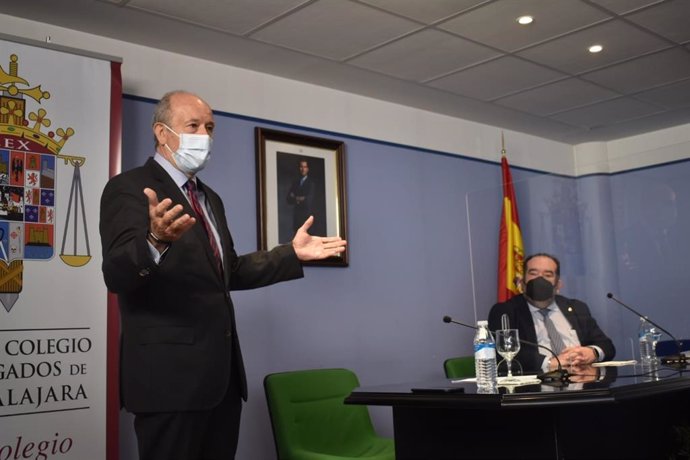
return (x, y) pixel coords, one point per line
(29, 156)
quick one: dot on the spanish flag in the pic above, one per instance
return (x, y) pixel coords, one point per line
(510, 249)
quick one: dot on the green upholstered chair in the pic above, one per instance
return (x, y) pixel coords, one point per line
(460, 367)
(311, 422)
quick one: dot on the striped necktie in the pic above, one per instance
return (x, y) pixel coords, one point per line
(554, 337)
(190, 188)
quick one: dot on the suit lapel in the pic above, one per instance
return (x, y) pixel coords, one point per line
(169, 189)
(526, 317)
(214, 206)
(568, 311)
(218, 212)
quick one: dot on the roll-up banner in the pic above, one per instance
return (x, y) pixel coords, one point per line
(56, 113)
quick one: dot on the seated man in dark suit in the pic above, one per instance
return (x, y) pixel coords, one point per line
(563, 325)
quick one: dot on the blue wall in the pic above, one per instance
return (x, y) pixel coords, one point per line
(423, 231)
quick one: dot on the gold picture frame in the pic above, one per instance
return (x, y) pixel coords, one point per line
(286, 196)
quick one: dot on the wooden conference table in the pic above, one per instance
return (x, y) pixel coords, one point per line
(624, 415)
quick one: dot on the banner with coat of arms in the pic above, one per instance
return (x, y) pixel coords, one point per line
(55, 119)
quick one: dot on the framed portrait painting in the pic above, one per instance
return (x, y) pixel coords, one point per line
(300, 176)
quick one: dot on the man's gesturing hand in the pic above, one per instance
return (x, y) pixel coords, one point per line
(166, 221)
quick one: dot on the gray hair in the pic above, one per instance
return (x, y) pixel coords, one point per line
(163, 113)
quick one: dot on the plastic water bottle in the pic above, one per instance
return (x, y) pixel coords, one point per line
(648, 337)
(485, 359)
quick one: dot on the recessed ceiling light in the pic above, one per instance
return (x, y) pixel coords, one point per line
(524, 20)
(595, 48)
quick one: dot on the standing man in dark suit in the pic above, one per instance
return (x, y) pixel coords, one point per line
(169, 256)
(301, 195)
(551, 320)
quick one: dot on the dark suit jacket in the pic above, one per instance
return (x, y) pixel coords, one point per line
(577, 313)
(179, 336)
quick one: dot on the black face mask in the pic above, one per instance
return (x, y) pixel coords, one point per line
(539, 289)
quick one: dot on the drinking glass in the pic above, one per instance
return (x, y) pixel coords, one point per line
(508, 345)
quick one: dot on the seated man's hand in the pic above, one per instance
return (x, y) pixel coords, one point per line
(577, 356)
(573, 356)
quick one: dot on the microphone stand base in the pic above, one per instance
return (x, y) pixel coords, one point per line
(677, 361)
(555, 378)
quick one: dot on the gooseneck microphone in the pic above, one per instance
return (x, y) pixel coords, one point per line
(557, 377)
(681, 357)
(505, 321)
(448, 319)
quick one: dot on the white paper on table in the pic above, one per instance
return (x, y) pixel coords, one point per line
(629, 362)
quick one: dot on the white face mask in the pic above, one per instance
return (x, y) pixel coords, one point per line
(193, 152)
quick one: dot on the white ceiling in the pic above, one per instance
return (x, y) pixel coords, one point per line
(464, 58)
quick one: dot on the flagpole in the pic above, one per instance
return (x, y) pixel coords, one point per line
(503, 145)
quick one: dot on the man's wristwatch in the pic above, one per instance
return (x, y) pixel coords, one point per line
(153, 238)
